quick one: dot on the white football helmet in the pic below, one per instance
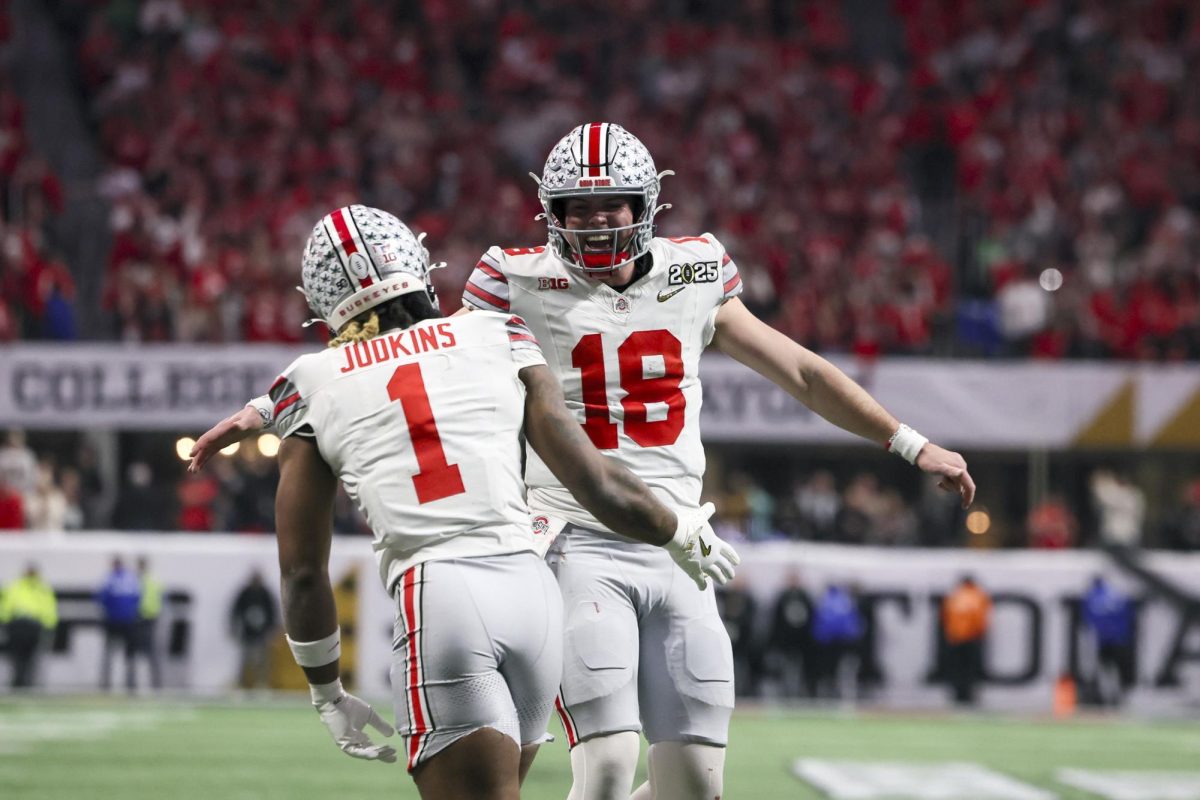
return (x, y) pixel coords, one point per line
(600, 158)
(358, 257)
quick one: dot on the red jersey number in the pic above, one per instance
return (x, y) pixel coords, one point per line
(436, 479)
(640, 391)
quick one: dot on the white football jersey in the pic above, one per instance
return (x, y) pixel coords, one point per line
(423, 427)
(628, 361)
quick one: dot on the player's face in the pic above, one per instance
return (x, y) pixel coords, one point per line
(597, 213)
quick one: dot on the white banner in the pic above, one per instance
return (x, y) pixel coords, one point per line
(1034, 638)
(993, 405)
(142, 387)
(988, 405)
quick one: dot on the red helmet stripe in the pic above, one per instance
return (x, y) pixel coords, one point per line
(593, 150)
(347, 241)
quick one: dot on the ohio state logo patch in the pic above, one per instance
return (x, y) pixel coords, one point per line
(541, 526)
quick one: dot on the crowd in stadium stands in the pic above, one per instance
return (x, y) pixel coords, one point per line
(1012, 178)
(37, 290)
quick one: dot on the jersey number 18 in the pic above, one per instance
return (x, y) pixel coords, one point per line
(588, 358)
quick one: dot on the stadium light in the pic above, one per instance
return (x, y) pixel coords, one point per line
(183, 447)
(231, 449)
(268, 444)
(979, 522)
(1051, 279)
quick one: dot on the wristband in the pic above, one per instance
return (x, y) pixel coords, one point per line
(326, 692)
(906, 443)
(266, 412)
(318, 653)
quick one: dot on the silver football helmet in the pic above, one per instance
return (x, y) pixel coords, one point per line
(600, 158)
(358, 257)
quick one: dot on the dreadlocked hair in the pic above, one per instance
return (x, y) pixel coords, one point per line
(399, 312)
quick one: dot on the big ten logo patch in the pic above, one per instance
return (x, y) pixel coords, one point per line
(553, 283)
(700, 272)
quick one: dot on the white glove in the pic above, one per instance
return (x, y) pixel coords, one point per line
(698, 550)
(345, 716)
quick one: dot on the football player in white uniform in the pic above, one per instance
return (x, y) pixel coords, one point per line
(622, 317)
(421, 419)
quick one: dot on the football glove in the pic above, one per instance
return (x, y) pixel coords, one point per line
(346, 716)
(698, 550)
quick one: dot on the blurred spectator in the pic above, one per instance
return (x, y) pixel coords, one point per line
(862, 511)
(896, 525)
(939, 514)
(1182, 529)
(750, 506)
(1108, 614)
(966, 616)
(18, 464)
(12, 508)
(253, 620)
(817, 504)
(1120, 508)
(142, 506)
(789, 650)
(71, 486)
(1051, 525)
(738, 611)
(149, 610)
(46, 505)
(837, 632)
(29, 612)
(198, 495)
(119, 598)
(253, 507)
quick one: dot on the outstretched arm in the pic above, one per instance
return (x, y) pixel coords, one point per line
(826, 390)
(304, 525)
(616, 496)
(237, 426)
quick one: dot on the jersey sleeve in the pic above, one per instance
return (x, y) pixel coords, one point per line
(731, 281)
(731, 285)
(524, 345)
(487, 287)
(288, 406)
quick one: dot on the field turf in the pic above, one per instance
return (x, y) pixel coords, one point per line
(156, 749)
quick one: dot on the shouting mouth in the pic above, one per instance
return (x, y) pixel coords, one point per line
(598, 243)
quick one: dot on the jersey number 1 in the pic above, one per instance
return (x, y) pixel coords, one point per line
(437, 479)
(588, 358)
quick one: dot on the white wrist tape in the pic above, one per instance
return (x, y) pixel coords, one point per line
(906, 443)
(326, 692)
(266, 410)
(318, 653)
(682, 529)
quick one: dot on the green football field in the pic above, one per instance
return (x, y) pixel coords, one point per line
(142, 749)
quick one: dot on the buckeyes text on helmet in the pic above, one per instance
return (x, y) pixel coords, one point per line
(600, 158)
(358, 257)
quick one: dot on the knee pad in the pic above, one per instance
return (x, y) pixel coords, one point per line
(686, 771)
(602, 767)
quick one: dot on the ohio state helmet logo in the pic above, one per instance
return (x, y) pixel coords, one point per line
(359, 266)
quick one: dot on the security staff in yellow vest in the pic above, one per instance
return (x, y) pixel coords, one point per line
(149, 610)
(29, 610)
